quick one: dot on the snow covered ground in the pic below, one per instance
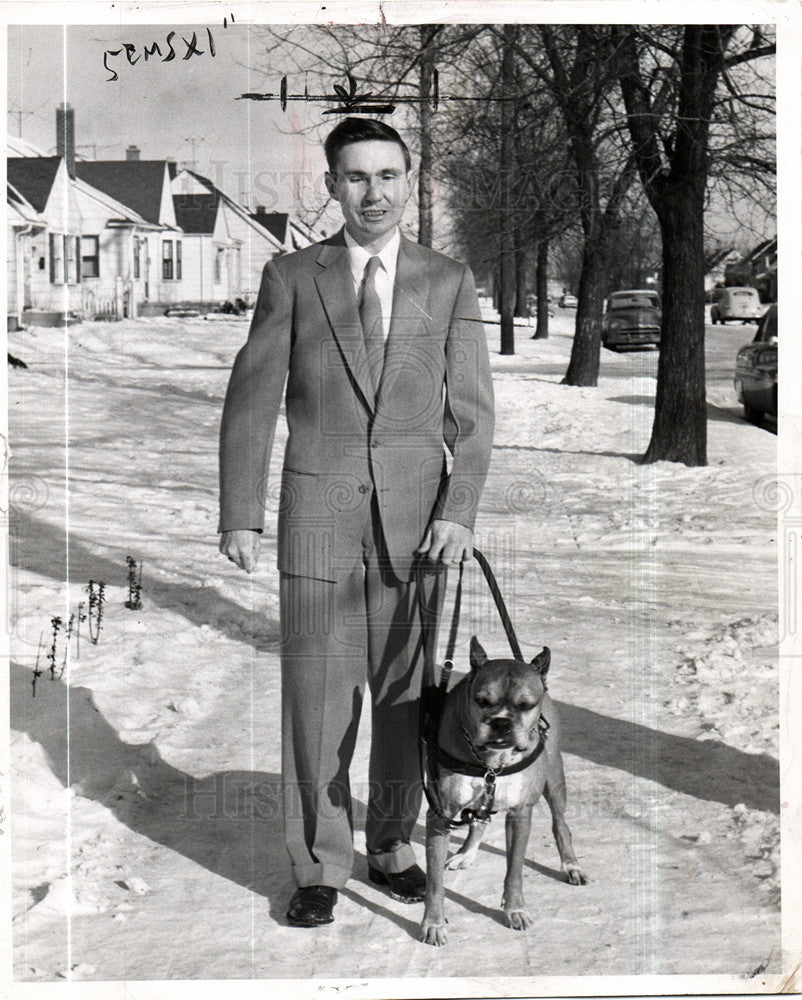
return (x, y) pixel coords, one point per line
(146, 827)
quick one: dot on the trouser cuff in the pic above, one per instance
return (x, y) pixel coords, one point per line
(391, 862)
(312, 874)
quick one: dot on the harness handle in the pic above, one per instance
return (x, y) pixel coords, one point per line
(430, 615)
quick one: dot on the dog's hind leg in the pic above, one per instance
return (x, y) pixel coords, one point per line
(518, 824)
(554, 793)
(466, 855)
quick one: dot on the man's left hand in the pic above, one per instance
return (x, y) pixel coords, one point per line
(447, 541)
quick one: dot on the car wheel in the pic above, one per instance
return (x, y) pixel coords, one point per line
(752, 415)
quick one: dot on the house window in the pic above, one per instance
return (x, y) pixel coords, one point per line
(137, 264)
(218, 267)
(72, 256)
(65, 252)
(167, 260)
(56, 259)
(90, 256)
(178, 260)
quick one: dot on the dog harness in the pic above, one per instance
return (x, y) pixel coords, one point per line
(471, 802)
(474, 802)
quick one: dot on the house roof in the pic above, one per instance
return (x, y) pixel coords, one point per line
(136, 183)
(195, 213)
(17, 146)
(274, 222)
(19, 210)
(33, 177)
(766, 248)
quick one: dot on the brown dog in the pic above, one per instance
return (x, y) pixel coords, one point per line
(498, 749)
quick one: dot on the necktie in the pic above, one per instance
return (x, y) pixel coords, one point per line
(370, 313)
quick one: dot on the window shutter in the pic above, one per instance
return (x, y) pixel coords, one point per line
(52, 258)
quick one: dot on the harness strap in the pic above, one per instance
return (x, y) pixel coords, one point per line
(433, 694)
(501, 607)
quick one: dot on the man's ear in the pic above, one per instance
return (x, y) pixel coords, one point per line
(412, 181)
(478, 655)
(331, 184)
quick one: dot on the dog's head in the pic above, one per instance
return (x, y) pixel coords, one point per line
(504, 702)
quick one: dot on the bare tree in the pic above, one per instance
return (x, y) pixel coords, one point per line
(672, 149)
(576, 63)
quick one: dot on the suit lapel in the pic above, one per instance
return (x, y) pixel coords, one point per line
(410, 319)
(335, 285)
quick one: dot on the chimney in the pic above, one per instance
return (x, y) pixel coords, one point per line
(260, 210)
(65, 136)
(132, 153)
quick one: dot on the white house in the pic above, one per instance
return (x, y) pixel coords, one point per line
(23, 222)
(52, 276)
(82, 260)
(229, 247)
(155, 265)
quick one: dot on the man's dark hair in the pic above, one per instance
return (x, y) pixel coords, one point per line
(351, 130)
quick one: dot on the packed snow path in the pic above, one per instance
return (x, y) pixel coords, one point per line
(146, 827)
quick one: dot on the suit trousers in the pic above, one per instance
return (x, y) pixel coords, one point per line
(336, 636)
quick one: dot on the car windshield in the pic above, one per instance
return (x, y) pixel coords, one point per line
(767, 331)
(743, 293)
(641, 301)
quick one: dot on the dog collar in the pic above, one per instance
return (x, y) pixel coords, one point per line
(480, 770)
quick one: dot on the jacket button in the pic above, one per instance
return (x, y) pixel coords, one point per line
(363, 488)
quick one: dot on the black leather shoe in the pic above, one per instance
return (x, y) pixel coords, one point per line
(408, 886)
(311, 906)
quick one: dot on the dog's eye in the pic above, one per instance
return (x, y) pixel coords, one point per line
(526, 706)
(483, 702)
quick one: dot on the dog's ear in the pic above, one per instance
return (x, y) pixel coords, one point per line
(478, 655)
(542, 661)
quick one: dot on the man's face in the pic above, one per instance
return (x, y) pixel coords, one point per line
(372, 185)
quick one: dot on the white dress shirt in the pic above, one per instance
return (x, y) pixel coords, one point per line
(385, 275)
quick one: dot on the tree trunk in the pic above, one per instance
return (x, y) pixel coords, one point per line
(679, 433)
(583, 368)
(425, 179)
(542, 280)
(521, 308)
(507, 187)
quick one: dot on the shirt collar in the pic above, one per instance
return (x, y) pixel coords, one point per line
(359, 256)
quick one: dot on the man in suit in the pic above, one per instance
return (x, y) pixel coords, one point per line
(389, 408)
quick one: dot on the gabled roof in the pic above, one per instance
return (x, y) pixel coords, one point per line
(195, 213)
(33, 177)
(274, 222)
(715, 258)
(766, 248)
(17, 146)
(136, 183)
(214, 191)
(20, 211)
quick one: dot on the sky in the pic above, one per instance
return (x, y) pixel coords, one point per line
(187, 109)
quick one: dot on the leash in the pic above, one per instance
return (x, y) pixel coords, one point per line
(433, 692)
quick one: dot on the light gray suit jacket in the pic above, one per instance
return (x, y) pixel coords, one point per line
(435, 397)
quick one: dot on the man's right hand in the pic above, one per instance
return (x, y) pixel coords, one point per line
(241, 547)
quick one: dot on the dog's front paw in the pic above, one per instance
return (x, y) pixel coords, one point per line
(460, 860)
(574, 874)
(434, 931)
(518, 920)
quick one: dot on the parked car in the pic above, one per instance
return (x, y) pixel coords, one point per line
(568, 301)
(737, 303)
(632, 318)
(756, 371)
